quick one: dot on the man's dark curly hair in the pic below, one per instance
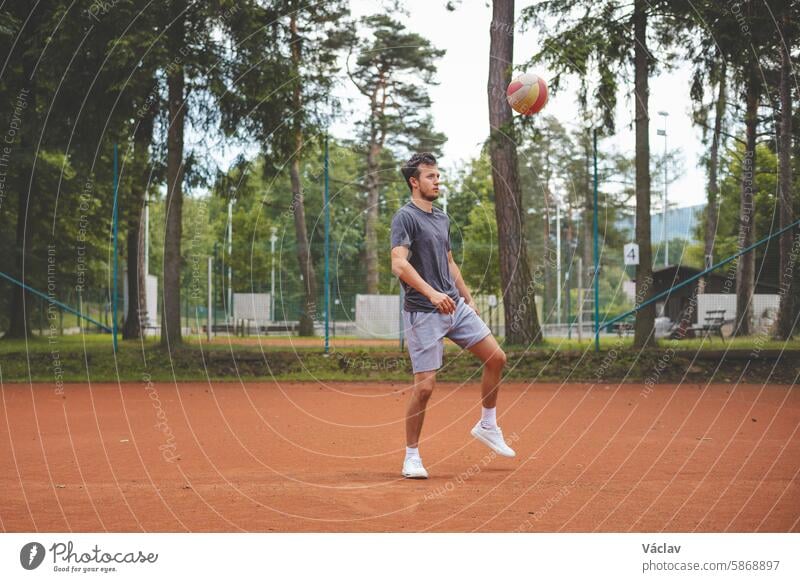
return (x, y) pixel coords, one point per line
(411, 167)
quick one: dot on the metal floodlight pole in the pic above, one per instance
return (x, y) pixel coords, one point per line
(327, 248)
(571, 248)
(664, 241)
(146, 236)
(147, 253)
(272, 240)
(210, 295)
(116, 236)
(580, 298)
(334, 291)
(558, 261)
(229, 311)
(596, 251)
(222, 283)
(568, 302)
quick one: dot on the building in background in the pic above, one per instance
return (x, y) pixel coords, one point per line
(681, 224)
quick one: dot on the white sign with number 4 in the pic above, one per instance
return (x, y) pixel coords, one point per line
(631, 254)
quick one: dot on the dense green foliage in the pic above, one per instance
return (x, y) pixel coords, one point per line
(260, 80)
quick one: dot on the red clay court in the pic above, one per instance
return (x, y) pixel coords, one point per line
(326, 457)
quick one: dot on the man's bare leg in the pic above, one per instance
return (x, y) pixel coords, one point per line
(424, 383)
(494, 360)
(487, 431)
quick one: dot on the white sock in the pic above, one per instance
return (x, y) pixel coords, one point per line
(412, 453)
(488, 417)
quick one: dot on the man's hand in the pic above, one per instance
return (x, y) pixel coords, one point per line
(471, 303)
(442, 302)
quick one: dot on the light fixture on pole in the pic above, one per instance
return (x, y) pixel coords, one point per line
(664, 241)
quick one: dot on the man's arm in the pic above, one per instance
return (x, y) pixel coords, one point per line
(459, 281)
(457, 278)
(407, 273)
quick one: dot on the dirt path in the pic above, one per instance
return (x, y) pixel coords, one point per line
(312, 457)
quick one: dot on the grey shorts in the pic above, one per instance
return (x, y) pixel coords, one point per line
(425, 333)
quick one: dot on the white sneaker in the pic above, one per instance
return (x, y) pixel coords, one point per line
(413, 469)
(493, 438)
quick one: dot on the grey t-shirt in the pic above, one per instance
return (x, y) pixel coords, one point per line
(427, 236)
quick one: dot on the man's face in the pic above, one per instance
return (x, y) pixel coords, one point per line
(428, 182)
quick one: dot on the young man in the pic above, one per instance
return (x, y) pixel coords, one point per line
(438, 305)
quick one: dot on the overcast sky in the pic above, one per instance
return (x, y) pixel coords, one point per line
(460, 108)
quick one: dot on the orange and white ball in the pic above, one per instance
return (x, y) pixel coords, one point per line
(527, 94)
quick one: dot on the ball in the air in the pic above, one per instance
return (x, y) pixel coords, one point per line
(527, 94)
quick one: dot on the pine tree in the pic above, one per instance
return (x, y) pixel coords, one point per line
(195, 83)
(392, 69)
(521, 321)
(788, 309)
(284, 67)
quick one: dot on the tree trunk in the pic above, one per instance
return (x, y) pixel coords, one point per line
(304, 259)
(24, 181)
(713, 164)
(373, 184)
(785, 325)
(171, 313)
(746, 266)
(133, 326)
(521, 321)
(377, 136)
(19, 311)
(645, 317)
(137, 277)
(19, 316)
